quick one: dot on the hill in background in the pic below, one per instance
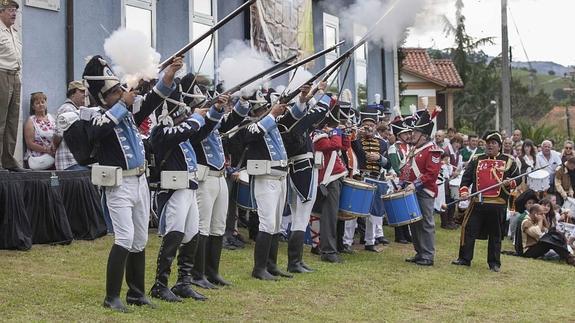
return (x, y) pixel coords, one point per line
(549, 77)
(544, 67)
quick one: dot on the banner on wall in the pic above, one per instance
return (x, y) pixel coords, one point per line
(282, 28)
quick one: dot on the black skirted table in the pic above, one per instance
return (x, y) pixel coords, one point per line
(48, 207)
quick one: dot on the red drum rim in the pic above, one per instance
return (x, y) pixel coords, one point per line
(418, 218)
(358, 184)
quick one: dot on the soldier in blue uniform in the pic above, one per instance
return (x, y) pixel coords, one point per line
(213, 194)
(178, 205)
(303, 174)
(115, 127)
(267, 163)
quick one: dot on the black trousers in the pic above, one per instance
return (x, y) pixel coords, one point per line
(328, 219)
(482, 218)
(541, 248)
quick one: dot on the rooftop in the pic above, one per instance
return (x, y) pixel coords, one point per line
(440, 71)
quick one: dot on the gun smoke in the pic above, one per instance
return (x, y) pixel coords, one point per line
(132, 58)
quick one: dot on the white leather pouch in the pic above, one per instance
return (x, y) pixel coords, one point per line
(259, 167)
(106, 175)
(174, 180)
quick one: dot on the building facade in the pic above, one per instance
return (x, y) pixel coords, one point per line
(58, 36)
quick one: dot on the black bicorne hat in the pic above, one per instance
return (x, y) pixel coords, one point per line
(399, 126)
(193, 90)
(424, 124)
(493, 135)
(99, 78)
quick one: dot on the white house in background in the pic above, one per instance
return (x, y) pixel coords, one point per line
(436, 79)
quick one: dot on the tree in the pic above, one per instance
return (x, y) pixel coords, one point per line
(464, 43)
(551, 72)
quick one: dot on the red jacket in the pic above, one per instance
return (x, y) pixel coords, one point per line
(423, 168)
(329, 144)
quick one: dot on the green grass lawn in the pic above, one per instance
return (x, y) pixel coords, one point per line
(66, 283)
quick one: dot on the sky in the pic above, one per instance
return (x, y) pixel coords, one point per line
(545, 27)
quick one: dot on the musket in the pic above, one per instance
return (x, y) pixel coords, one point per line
(212, 30)
(275, 75)
(445, 206)
(304, 61)
(338, 61)
(252, 79)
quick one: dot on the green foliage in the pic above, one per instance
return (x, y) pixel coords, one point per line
(537, 133)
(559, 95)
(481, 76)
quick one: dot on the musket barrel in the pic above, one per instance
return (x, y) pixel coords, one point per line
(212, 30)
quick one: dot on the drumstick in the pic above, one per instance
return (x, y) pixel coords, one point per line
(445, 206)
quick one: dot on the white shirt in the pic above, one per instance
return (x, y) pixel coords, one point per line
(552, 163)
(10, 48)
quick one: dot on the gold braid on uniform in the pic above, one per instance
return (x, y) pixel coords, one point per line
(371, 145)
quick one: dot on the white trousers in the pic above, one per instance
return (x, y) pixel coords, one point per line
(270, 195)
(301, 211)
(213, 205)
(286, 220)
(129, 207)
(373, 230)
(379, 229)
(349, 232)
(180, 213)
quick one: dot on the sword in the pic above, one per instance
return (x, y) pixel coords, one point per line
(445, 206)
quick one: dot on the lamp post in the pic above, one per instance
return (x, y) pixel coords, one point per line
(494, 103)
(568, 102)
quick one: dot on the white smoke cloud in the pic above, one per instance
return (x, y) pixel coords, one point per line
(131, 57)
(239, 62)
(392, 30)
(301, 76)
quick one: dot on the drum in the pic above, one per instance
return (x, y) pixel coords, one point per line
(402, 208)
(538, 180)
(243, 194)
(381, 189)
(355, 199)
(569, 204)
(454, 187)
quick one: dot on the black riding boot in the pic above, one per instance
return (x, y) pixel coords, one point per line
(295, 251)
(114, 277)
(261, 253)
(213, 256)
(199, 269)
(273, 258)
(166, 255)
(136, 277)
(183, 286)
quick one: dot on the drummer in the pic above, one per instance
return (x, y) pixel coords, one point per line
(371, 153)
(419, 175)
(330, 139)
(397, 154)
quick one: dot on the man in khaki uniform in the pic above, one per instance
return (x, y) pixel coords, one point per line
(10, 65)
